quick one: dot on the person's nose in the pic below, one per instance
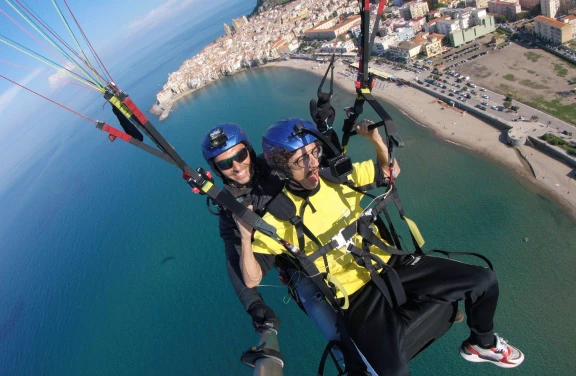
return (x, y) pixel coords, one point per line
(236, 166)
(313, 162)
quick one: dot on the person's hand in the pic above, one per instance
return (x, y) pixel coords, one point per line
(245, 229)
(263, 317)
(371, 134)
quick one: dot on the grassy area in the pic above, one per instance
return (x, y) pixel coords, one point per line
(532, 56)
(504, 89)
(560, 70)
(557, 141)
(502, 31)
(555, 108)
(530, 71)
(532, 84)
(509, 77)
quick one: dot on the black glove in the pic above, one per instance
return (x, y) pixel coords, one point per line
(322, 114)
(263, 317)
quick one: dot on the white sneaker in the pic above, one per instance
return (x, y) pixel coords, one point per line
(502, 355)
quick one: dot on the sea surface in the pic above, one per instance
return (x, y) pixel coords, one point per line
(109, 265)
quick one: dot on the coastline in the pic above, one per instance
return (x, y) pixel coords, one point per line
(533, 166)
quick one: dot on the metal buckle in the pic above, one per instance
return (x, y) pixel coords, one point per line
(340, 240)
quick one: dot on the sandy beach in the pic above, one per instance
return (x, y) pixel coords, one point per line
(553, 177)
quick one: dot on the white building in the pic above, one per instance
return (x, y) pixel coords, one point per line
(381, 44)
(571, 19)
(338, 48)
(477, 15)
(447, 26)
(549, 8)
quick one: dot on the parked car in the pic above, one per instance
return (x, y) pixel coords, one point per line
(485, 96)
(484, 104)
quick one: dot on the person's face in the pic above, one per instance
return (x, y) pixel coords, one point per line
(304, 166)
(234, 164)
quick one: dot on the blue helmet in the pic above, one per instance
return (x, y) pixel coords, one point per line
(279, 136)
(221, 138)
(279, 142)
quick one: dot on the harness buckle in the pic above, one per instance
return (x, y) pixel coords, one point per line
(339, 239)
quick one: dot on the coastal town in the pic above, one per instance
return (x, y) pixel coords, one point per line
(428, 60)
(409, 31)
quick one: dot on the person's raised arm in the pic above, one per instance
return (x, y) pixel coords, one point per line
(262, 315)
(251, 271)
(381, 149)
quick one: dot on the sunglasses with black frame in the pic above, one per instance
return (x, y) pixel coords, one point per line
(227, 163)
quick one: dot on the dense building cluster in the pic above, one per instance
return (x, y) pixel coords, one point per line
(408, 29)
(251, 42)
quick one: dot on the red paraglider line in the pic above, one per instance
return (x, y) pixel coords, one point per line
(48, 99)
(49, 75)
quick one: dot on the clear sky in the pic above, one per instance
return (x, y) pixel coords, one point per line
(114, 27)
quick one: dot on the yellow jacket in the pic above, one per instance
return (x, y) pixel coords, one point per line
(336, 206)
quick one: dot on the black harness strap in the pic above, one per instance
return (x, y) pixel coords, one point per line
(450, 254)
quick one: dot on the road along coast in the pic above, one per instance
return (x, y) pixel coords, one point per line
(552, 176)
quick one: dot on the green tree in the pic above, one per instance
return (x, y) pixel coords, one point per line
(438, 6)
(465, 88)
(522, 15)
(507, 104)
(509, 97)
(499, 19)
(534, 118)
(514, 108)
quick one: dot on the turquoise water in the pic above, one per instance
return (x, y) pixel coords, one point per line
(84, 231)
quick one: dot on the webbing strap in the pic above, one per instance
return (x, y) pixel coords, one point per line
(394, 293)
(390, 235)
(450, 254)
(313, 273)
(129, 109)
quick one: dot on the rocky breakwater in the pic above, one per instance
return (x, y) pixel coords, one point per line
(162, 109)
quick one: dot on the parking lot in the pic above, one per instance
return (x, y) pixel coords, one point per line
(533, 75)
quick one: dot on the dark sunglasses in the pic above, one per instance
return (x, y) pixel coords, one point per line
(227, 163)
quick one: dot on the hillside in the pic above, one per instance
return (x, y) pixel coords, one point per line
(267, 4)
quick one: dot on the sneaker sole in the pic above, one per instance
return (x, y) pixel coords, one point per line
(477, 359)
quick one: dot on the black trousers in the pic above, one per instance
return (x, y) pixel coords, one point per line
(378, 330)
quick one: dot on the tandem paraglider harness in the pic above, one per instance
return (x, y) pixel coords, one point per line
(426, 322)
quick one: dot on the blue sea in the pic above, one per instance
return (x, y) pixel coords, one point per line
(110, 265)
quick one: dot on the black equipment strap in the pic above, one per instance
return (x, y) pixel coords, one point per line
(364, 86)
(394, 295)
(450, 254)
(132, 113)
(329, 69)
